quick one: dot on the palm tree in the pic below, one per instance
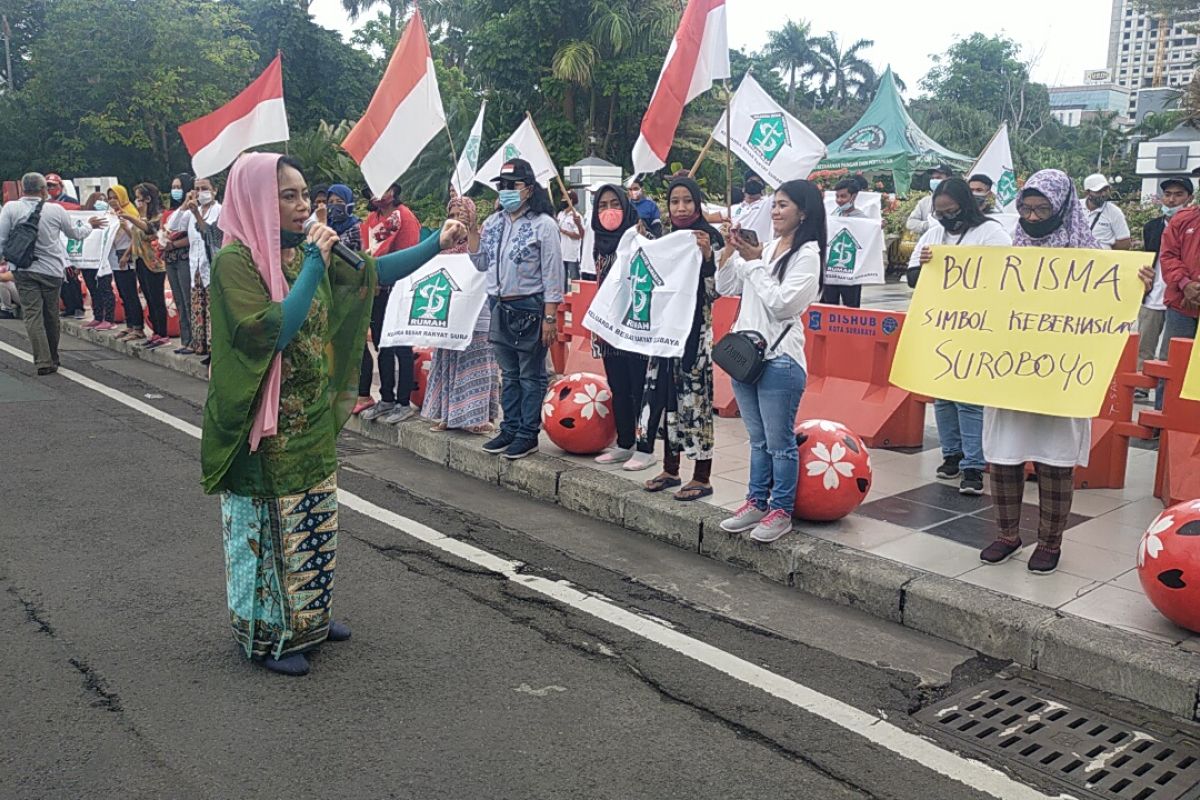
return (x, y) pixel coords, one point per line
(843, 73)
(790, 49)
(396, 11)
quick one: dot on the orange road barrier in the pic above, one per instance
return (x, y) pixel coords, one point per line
(1177, 478)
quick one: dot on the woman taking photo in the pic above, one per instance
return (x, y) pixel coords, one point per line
(175, 255)
(125, 271)
(151, 271)
(678, 400)
(288, 327)
(612, 216)
(198, 217)
(776, 284)
(958, 220)
(463, 392)
(99, 281)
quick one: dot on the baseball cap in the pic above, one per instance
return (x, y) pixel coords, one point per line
(1178, 180)
(945, 169)
(54, 178)
(518, 169)
(1095, 182)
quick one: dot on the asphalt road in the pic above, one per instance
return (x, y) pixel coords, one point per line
(121, 679)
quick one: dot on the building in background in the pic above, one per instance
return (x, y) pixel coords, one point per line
(1073, 105)
(1133, 56)
(1176, 152)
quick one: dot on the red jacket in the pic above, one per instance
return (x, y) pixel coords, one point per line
(398, 230)
(1180, 258)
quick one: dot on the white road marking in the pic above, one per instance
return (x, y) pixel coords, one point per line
(969, 772)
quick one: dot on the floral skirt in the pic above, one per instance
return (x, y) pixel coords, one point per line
(464, 385)
(279, 559)
(201, 322)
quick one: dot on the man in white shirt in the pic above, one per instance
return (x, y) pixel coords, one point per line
(754, 212)
(845, 194)
(1105, 219)
(922, 216)
(39, 283)
(570, 234)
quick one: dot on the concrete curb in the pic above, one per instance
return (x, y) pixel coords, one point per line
(1113, 660)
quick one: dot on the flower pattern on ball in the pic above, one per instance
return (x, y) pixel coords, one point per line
(829, 464)
(1151, 545)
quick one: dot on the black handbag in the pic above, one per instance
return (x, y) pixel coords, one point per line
(518, 328)
(743, 354)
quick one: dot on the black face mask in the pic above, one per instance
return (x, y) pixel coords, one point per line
(1097, 202)
(1041, 228)
(290, 239)
(955, 224)
(754, 187)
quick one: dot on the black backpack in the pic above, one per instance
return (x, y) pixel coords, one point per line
(18, 250)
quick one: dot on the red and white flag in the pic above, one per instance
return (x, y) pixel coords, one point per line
(404, 115)
(255, 117)
(698, 56)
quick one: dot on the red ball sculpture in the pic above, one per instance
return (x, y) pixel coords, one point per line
(835, 471)
(1169, 564)
(422, 361)
(577, 413)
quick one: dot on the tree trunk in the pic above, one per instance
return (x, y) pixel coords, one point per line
(8, 73)
(612, 118)
(569, 103)
(792, 90)
(1160, 54)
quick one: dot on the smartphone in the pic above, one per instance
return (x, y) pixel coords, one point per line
(748, 236)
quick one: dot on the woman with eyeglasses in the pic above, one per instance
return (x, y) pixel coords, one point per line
(958, 220)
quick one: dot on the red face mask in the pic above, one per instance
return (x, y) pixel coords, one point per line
(684, 222)
(611, 218)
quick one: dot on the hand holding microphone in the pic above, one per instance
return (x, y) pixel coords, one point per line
(328, 242)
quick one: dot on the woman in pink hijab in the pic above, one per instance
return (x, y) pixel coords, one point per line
(288, 327)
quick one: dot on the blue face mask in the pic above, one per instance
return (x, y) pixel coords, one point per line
(510, 200)
(100, 205)
(177, 195)
(934, 183)
(1169, 212)
(337, 214)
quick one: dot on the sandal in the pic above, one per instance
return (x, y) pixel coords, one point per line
(661, 482)
(438, 428)
(693, 491)
(482, 430)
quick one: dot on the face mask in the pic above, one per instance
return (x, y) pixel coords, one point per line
(846, 206)
(955, 224)
(1169, 212)
(1096, 201)
(290, 239)
(100, 205)
(177, 195)
(337, 214)
(55, 191)
(205, 198)
(635, 195)
(754, 187)
(934, 183)
(611, 218)
(981, 200)
(684, 222)
(1041, 228)
(510, 200)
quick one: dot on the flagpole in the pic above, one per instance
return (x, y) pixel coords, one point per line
(700, 158)
(557, 176)
(728, 151)
(453, 155)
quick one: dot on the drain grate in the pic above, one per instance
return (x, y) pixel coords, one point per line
(1091, 755)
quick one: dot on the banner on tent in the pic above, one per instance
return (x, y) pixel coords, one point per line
(854, 256)
(436, 306)
(92, 252)
(1028, 329)
(648, 301)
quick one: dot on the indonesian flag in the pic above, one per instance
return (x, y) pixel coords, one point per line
(404, 115)
(698, 56)
(254, 117)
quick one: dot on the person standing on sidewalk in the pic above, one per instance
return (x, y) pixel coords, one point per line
(147, 260)
(960, 221)
(176, 256)
(1105, 220)
(99, 280)
(200, 216)
(1179, 260)
(125, 272)
(570, 228)
(519, 248)
(1176, 194)
(776, 284)
(39, 284)
(72, 291)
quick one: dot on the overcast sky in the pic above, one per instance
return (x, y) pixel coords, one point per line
(1068, 36)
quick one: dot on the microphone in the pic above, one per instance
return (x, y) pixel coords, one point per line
(339, 249)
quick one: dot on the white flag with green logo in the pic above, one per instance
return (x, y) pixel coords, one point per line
(436, 306)
(648, 299)
(771, 141)
(524, 143)
(854, 255)
(996, 162)
(464, 173)
(92, 252)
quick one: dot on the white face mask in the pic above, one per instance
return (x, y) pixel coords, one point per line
(204, 198)
(846, 206)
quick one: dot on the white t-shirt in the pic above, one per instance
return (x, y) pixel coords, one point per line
(197, 253)
(1156, 299)
(922, 215)
(989, 234)
(1107, 223)
(571, 248)
(755, 216)
(768, 305)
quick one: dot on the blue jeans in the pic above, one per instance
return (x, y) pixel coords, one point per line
(522, 381)
(1176, 326)
(769, 410)
(960, 428)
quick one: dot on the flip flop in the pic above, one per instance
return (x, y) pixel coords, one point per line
(693, 493)
(662, 482)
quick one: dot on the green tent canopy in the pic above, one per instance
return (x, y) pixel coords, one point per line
(887, 140)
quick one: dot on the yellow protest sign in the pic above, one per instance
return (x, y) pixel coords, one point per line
(1191, 379)
(1024, 328)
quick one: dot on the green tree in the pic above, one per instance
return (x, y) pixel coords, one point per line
(396, 11)
(790, 49)
(843, 72)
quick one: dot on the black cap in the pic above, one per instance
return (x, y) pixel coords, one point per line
(945, 169)
(748, 174)
(979, 177)
(517, 169)
(1178, 180)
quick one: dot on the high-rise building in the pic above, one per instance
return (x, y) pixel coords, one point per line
(1133, 50)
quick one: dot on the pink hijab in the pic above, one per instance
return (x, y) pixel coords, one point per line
(250, 215)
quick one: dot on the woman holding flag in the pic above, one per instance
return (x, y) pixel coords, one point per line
(288, 328)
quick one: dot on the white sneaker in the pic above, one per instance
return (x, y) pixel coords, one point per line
(377, 410)
(398, 415)
(639, 461)
(614, 455)
(773, 526)
(744, 519)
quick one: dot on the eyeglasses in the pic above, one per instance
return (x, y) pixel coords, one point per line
(511, 184)
(1035, 212)
(941, 215)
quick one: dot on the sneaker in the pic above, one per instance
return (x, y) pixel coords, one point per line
(615, 455)
(398, 414)
(1044, 560)
(184, 351)
(377, 410)
(499, 444)
(949, 468)
(639, 461)
(87, 326)
(773, 526)
(77, 315)
(972, 482)
(744, 519)
(998, 552)
(521, 448)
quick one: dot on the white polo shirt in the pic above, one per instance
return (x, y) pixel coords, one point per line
(1107, 223)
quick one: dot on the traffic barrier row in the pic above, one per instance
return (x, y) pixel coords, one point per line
(1177, 478)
